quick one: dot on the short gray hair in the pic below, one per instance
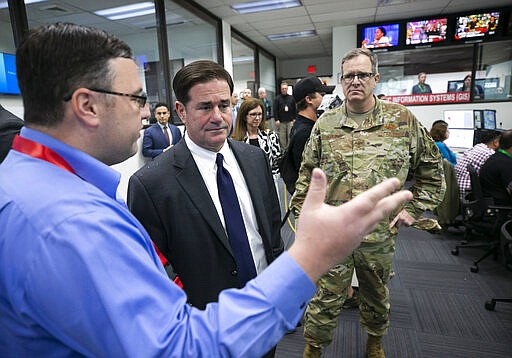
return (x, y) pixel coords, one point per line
(361, 52)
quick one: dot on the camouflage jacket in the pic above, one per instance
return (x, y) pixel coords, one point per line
(389, 143)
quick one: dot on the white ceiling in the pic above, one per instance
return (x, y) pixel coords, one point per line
(323, 15)
(318, 15)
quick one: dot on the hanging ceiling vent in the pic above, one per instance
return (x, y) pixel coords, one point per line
(55, 9)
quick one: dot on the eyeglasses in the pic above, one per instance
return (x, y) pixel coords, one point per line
(254, 115)
(141, 100)
(363, 77)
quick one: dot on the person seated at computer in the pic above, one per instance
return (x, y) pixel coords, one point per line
(478, 91)
(476, 156)
(496, 173)
(439, 132)
(421, 87)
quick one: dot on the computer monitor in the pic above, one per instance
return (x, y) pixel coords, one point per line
(461, 118)
(8, 80)
(460, 138)
(478, 116)
(489, 118)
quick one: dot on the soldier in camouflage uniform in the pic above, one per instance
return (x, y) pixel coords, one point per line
(358, 145)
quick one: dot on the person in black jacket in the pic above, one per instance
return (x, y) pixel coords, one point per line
(10, 125)
(308, 94)
(284, 114)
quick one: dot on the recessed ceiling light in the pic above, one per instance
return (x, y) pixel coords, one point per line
(291, 35)
(124, 12)
(265, 5)
(5, 4)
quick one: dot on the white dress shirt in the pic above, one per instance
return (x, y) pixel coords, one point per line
(205, 161)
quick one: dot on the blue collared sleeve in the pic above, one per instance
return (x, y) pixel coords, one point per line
(95, 285)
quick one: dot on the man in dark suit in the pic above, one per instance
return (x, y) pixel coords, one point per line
(177, 200)
(160, 136)
(10, 125)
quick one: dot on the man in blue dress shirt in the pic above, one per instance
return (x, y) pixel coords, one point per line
(78, 273)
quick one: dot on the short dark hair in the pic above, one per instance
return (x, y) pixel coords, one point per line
(161, 104)
(302, 104)
(384, 32)
(488, 135)
(248, 105)
(198, 72)
(506, 140)
(56, 59)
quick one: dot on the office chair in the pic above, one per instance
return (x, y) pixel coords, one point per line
(481, 217)
(506, 251)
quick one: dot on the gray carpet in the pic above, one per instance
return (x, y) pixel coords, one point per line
(437, 306)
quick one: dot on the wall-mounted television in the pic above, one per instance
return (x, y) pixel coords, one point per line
(476, 25)
(8, 80)
(489, 118)
(383, 36)
(426, 31)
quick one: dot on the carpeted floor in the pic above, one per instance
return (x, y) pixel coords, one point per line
(437, 306)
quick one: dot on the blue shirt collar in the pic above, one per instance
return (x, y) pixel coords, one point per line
(86, 167)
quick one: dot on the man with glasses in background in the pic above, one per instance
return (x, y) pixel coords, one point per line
(161, 135)
(358, 145)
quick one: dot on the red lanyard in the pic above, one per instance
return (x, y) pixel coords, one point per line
(39, 151)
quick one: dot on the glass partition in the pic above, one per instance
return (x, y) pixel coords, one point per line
(494, 70)
(267, 74)
(244, 75)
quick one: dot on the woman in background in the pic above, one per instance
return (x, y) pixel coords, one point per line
(250, 127)
(478, 91)
(440, 133)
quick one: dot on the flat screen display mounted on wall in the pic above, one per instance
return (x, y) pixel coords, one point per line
(8, 80)
(477, 25)
(379, 36)
(426, 31)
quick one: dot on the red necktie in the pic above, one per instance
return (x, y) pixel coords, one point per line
(167, 136)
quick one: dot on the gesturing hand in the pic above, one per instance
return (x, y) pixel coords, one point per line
(327, 234)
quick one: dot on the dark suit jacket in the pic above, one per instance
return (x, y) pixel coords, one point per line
(154, 141)
(10, 125)
(171, 200)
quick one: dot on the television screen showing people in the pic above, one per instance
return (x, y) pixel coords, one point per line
(426, 31)
(477, 25)
(380, 36)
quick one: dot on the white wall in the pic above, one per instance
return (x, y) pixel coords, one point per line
(299, 68)
(130, 166)
(13, 104)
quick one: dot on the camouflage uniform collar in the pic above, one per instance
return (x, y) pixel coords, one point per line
(375, 118)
